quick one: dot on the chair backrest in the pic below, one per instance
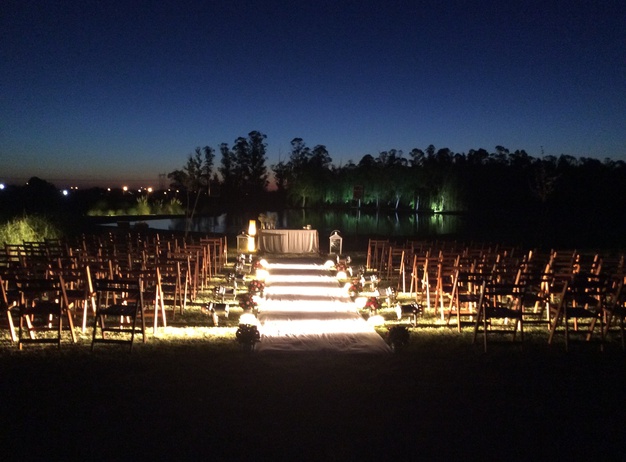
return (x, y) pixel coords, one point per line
(35, 289)
(119, 291)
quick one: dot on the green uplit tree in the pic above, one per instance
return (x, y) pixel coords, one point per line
(307, 173)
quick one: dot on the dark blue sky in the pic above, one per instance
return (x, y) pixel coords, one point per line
(117, 92)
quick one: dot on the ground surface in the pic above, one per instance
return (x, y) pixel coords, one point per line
(437, 401)
(440, 399)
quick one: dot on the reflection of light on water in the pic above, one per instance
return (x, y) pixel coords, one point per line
(357, 222)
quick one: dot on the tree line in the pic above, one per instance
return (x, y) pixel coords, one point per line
(429, 180)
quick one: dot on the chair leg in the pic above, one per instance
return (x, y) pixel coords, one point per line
(93, 333)
(70, 323)
(12, 330)
(60, 331)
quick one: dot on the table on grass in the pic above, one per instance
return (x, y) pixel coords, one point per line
(289, 241)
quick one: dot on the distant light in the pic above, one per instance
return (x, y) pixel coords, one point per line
(65, 192)
(125, 188)
(109, 189)
(1, 185)
(150, 189)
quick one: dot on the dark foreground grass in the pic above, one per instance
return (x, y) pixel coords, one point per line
(441, 399)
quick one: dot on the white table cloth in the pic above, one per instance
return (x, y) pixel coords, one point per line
(289, 241)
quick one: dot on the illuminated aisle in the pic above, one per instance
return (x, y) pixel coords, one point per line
(306, 309)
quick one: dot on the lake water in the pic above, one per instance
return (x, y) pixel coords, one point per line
(507, 228)
(350, 223)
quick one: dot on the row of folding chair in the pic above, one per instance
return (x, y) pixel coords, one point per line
(171, 271)
(572, 301)
(35, 305)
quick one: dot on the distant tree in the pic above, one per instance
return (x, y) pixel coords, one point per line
(430, 151)
(194, 179)
(417, 157)
(258, 157)
(477, 157)
(40, 196)
(281, 175)
(227, 170)
(367, 161)
(248, 167)
(307, 172)
(544, 179)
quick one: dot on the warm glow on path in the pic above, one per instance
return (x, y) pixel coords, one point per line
(305, 308)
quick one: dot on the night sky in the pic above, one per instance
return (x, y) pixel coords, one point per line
(116, 92)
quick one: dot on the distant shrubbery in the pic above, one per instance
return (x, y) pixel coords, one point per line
(143, 206)
(28, 229)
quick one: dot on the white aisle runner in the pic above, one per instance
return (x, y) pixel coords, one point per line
(306, 309)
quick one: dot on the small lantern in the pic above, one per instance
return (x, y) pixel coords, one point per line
(336, 242)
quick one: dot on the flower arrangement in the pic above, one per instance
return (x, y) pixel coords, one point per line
(372, 304)
(255, 286)
(398, 337)
(355, 287)
(247, 336)
(246, 302)
(257, 265)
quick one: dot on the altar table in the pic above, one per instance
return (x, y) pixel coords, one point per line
(289, 241)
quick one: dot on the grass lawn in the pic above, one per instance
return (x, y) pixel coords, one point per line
(201, 398)
(190, 393)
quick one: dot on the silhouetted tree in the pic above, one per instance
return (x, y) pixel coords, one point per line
(194, 179)
(248, 167)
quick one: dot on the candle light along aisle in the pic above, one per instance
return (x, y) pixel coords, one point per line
(304, 308)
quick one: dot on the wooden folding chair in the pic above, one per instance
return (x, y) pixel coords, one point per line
(580, 304)
(119, 310)
(376, 253)
(465, 296)
(43, 305)
(9, 300)
(615, 308)
(500, 310)
(78, 290)
(152, 295)
(173, 286)
(447, 267)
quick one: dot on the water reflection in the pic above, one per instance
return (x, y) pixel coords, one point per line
(355, 222)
